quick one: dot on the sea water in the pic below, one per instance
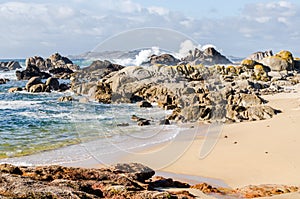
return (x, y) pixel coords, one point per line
(32, 123)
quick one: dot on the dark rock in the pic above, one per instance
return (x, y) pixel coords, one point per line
(52, 83)
(63, 87)
(135, 171)
(3, 80)
(11, 65)
(31, 71)
(164, 122)
(143, 122)
(145, 104)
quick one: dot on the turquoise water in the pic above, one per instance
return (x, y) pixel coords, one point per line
(31, 123)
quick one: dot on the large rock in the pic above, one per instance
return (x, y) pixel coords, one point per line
(135, 171)
(32, 81)
(280, 62)
(209, 56)
(120, 181)
(31, 71)
(38, 88)
(52, 83)
(164, 59)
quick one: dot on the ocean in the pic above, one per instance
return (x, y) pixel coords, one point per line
(35, 128)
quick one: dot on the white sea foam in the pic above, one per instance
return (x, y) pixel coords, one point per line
(17, 104)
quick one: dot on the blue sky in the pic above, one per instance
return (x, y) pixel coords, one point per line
(238, 28)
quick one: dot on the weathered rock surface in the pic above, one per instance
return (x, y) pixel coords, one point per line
(193, 92)
(131, 180)
(164, 59)
(119, 181)
(209, 56)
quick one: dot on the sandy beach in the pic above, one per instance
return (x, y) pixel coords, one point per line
(248, 153)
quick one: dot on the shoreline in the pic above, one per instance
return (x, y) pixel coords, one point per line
(247, 153)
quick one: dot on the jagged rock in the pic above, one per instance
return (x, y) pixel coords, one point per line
(52, 83)
(11, 65)
(260, 55)
(209, 56)
(31, 71)
(14, 89)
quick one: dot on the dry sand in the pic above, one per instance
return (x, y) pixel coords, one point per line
(253, 153)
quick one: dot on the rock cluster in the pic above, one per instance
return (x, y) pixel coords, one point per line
(57, 65)
(11, 65)
(119, 181)
(194, 92)
(3, 80)
(128, 180)
(35, 85)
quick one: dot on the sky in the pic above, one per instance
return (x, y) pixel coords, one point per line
(236, 28)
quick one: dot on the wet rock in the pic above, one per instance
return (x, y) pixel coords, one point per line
(32, 81)
(65, 99)
(52, 83)
(145, 104)
(37, 88)
(164, 122)
(144, 122)
(3, 80)
(31, 71)
(63, 87)
(14, 89)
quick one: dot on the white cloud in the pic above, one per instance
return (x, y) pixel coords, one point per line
(158, 10)
(76, 26)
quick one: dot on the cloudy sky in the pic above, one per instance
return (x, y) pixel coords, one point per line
(236, 27)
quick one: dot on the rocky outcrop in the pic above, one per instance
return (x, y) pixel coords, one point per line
(130, 180)
(209, 56)
(35, 85)
(11, 65)
(119, 181)
(59, 66)
(260, 55)
(164, 59)
(31, 71)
